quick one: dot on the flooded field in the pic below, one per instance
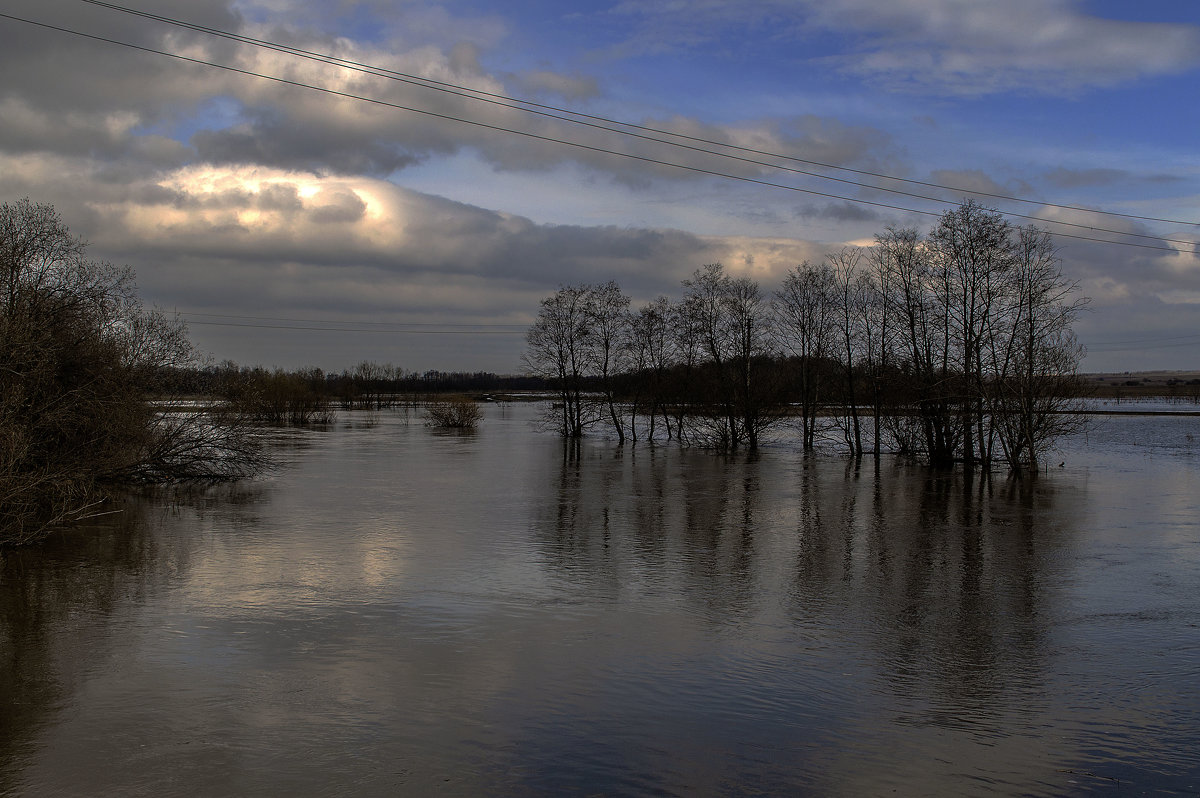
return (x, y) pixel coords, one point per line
(400, 611)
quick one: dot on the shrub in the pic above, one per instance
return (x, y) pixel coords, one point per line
(79, 361)
(457, 412)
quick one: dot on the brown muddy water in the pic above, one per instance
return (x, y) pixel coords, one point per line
(404, 612)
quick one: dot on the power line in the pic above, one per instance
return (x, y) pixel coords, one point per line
(1157, 338)
(476, 123)
(356, 329)
(506, 100)
(1100, 349)
(416, 324)
(469, 93)
(578, 145)
(1169, 342)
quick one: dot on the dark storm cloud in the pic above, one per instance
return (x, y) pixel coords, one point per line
(61, 71)
(269, 137)
(218, 238)
(840, 211)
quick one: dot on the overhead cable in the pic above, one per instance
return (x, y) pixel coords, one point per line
(507, 101)
(580, 145)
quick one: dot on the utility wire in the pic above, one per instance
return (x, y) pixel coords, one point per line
(357, 329)
(565, 142)
(507, 101)
(1145, 343)
(462, 91)
(486, 125)
(1100, 348)
(344, 321)
(1195, 336)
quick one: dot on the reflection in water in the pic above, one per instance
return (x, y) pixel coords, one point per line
(628, 518)
(942, 579)
(58, 601)
(405, 612)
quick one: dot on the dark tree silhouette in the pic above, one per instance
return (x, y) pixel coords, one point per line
(79, 358)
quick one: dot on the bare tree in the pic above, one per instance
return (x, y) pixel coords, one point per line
(455, 412)
(961, 341)
(922, 345)
(608, 319)
(974, 248)
(649, 350)
(687, 381)
(558, 348)
(79, 357)
(732, 323)
(847, 289)
(876, 336)
(1035, 377)
(805, 316)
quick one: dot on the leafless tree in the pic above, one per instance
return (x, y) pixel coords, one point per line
(959, 340)
(607, 309)
(649, 352)
(806, 314)
(922, 345)
(844, 266)
(559, 348)
(79, 359)
(1035, 355)
(733, 323)
(974, 250)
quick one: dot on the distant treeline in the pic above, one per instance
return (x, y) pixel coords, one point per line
(951, 347)
(1136, 386)
(310, 395)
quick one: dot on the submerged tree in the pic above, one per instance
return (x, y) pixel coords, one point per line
(959, 342)
(608, 319)
(455, 412)
(649, 358)
(847, 290)
(730, 321)
(805, 318)
(1036, 355)
(79, 358)
(559, 348)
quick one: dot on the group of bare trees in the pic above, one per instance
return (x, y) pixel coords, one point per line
(691, 366)
(79, 359)
(951, 347)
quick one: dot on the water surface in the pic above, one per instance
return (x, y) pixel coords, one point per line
(400, 611)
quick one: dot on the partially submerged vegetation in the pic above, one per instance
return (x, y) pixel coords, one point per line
(80, 360)
(952, 347)
(455, 412)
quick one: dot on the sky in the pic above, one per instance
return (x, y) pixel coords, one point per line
(297, 212)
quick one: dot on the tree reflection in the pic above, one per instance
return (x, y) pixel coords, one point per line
(640, 522)
(58, 601)
(942, 574)
(936, 580)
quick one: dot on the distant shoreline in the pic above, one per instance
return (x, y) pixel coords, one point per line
(1179, 385)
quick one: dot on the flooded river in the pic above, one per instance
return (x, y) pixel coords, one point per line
(400, 611)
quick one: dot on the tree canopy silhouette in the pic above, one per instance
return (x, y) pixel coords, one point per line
(80, 358)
